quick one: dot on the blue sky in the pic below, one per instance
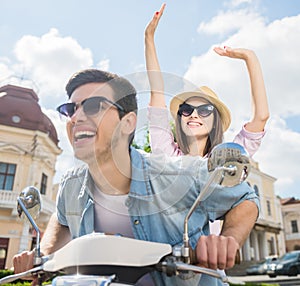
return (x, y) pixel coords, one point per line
(46, 41)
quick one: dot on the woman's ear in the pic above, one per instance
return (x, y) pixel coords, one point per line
(128, 123)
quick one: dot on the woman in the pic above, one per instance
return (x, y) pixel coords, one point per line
(200, 117)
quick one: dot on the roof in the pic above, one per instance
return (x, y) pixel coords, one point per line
(19, 108)
(289, 201)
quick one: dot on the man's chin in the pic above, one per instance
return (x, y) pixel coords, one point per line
(83, 155)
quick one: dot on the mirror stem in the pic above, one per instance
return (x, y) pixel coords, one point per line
(37, 254)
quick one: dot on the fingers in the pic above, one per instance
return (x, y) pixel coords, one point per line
(154, 22)
(232, 249)
(236, 53)
(23, 261)
(216, 252)
(223, 51)
(159, 13)
(219, 50)
(157, 16)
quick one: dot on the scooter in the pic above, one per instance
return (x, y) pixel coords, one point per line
(123, 261)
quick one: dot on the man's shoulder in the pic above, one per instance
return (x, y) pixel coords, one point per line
(75, 172)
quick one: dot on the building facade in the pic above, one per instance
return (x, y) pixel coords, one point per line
(28, 152)
(291, 220)
(267, 236)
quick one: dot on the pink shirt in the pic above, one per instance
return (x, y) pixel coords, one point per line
(162, 139)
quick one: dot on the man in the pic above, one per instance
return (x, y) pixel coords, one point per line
(122, 191)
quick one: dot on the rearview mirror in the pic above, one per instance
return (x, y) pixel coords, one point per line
(29, 200)
(29, 204)
(234, 158)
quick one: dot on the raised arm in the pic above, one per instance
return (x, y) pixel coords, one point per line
(161, 136)
(153, 69)
(260, 109)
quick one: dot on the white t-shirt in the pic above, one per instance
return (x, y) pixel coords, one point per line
(111, 214)
(111, 217)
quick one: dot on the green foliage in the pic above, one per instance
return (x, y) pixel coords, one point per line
(5, 272)
(146, 146)
(25, 283)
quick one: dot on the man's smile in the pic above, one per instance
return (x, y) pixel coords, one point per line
(83, 135)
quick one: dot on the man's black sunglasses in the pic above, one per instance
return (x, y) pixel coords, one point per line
(91, 106)
(203, 110)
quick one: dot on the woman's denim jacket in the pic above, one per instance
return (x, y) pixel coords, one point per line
(162, 191)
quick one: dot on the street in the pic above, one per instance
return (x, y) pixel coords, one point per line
(281, 280)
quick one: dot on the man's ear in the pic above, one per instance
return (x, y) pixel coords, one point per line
(128, 123)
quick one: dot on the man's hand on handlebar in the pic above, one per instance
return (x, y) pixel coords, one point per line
(216, 252)
(23, 261)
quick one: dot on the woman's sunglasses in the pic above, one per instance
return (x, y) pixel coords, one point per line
(203, 110)
(91, 106)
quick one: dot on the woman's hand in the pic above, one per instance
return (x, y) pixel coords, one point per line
(237, 53)
(155, 77)
(152, 25)
(260, 109)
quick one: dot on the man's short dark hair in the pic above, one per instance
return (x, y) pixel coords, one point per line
(124, 91)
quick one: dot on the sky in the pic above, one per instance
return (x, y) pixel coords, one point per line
(42, 43)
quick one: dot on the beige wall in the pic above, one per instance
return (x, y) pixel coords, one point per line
(34, 153)
(270, 218)
(291, 212)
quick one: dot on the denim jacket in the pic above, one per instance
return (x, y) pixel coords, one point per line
(162, 191)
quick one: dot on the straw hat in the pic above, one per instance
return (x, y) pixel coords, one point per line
(206, 93)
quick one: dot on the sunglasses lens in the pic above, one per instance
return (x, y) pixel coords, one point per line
(66, 109)
(91, 106)
(185, 109)
(205, 110)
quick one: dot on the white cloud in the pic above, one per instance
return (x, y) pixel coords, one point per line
(226, 22)
(277, 45)
(236, 3)
(279, 156)
(5, 72)
(49, 60)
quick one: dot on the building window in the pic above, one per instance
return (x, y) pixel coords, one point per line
(269, 208)
(294, 225)
(7, 176)
(44, 184)
(271, 246)
(256, 190)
